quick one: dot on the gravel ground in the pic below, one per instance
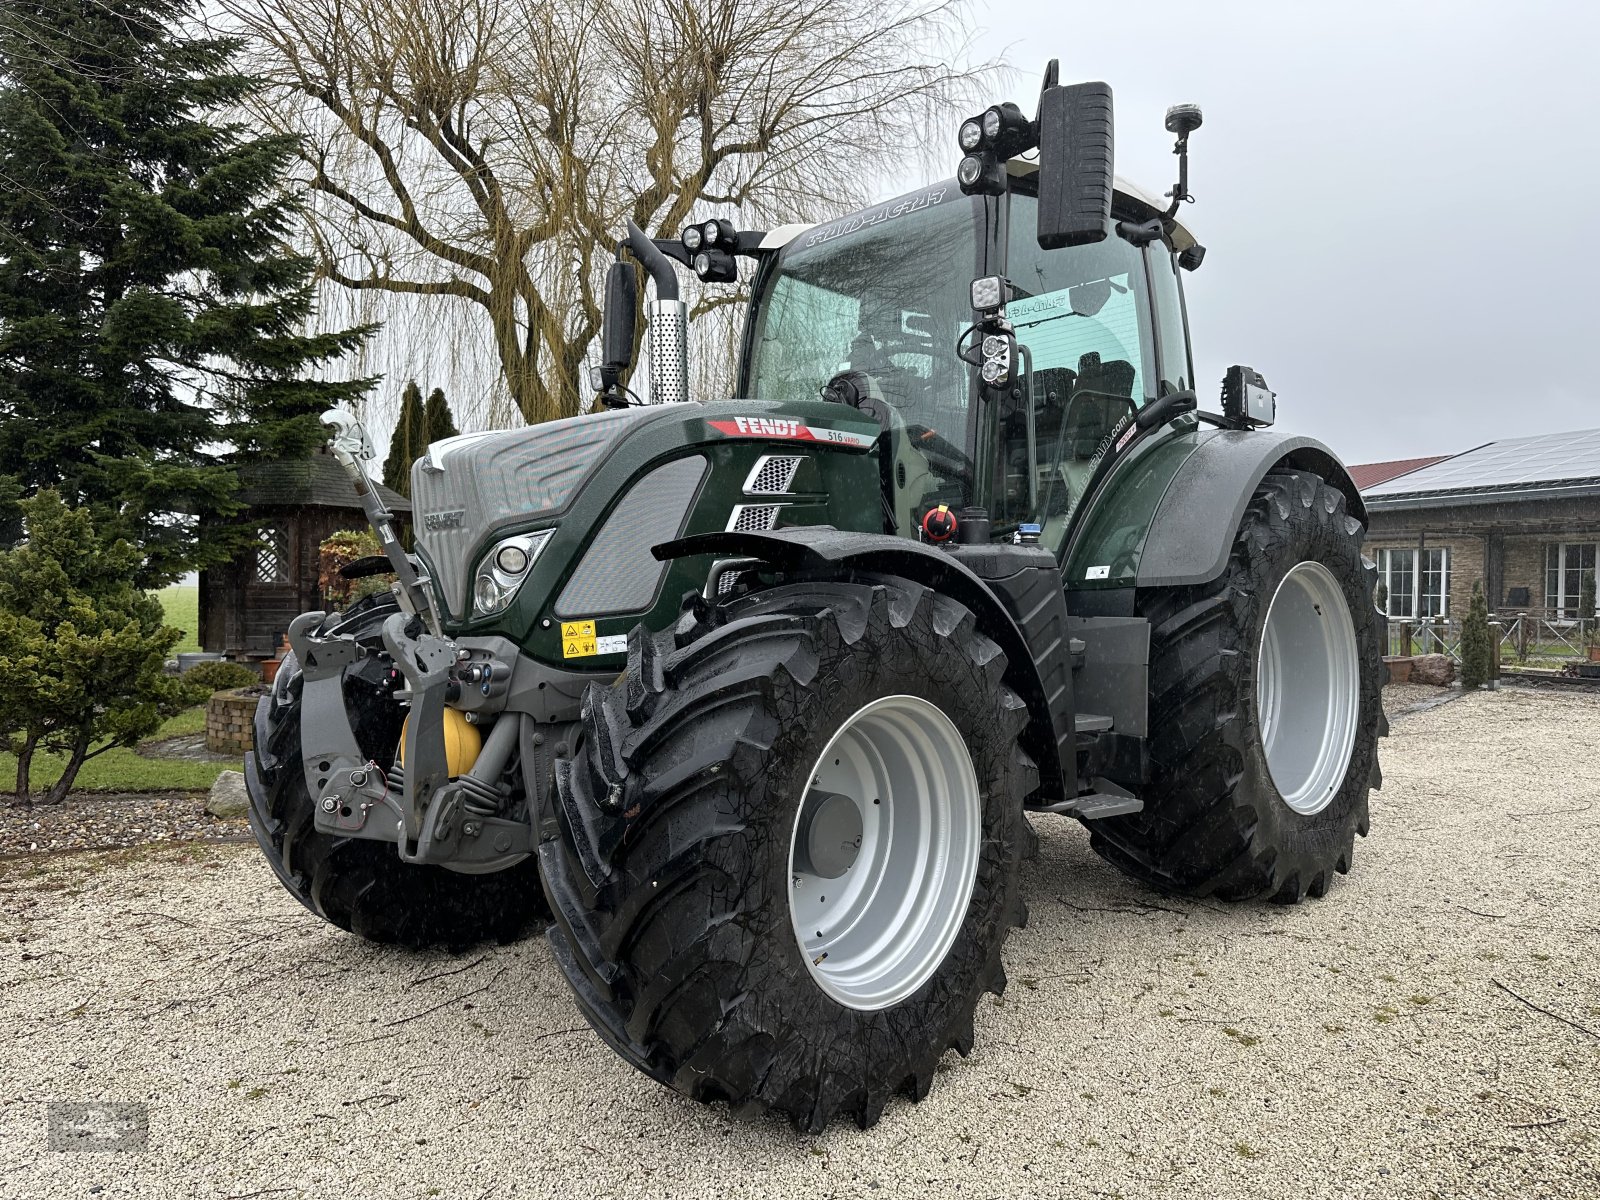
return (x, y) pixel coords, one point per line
(1384, 1041)
(97, 821)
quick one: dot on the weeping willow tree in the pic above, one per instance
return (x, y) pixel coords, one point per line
(486, 154)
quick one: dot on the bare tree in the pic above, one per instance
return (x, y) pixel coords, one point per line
(490, 151)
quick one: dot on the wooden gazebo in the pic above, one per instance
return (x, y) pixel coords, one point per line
(246, 606)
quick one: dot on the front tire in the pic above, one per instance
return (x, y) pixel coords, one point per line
(1265, 709)
(693, 814)
(357, 884)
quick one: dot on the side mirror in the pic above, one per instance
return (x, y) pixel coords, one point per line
(1075, 164)
(616, 344)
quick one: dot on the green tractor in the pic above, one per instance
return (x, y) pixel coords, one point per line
(749, 701)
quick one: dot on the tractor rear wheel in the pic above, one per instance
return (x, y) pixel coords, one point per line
(1264, 709)
(358, 884)
(787, 857)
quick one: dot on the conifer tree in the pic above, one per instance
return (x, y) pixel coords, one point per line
(151, 314)
(408, 441)
(81, 648)
(1477, 644)
(441, 422)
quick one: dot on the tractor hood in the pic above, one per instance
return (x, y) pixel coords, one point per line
(466, 486)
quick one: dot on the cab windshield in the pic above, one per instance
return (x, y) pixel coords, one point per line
(885, 296)
(882, 295)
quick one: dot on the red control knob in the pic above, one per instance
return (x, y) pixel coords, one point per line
(939, 524)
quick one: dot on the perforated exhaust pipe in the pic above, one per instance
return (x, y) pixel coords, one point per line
(668, 334)
(667, 330)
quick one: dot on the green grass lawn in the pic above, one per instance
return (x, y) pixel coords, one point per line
(183, 612)
(125, 770)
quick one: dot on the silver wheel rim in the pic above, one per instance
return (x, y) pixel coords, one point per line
(875, 932)
(1307, 687)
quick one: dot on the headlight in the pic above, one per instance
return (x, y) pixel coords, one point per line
(692, 238)
(712, 231)
(971, 135)
(992, 124)
(512, 559)
(503, 569)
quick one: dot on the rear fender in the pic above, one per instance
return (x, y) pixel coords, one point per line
(1192, 531)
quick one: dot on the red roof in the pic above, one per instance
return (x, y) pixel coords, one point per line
(1368, 475)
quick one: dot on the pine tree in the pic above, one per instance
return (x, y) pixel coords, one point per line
(1477, 644)
(150, 310)
(408, 441)
(440, 421)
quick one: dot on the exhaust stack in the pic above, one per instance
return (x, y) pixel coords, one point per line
(667, 333)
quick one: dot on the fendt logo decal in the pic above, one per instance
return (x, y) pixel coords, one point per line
(788, 429)
(439, 521)
(762, 427)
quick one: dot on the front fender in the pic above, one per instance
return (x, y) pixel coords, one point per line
(1040, 673)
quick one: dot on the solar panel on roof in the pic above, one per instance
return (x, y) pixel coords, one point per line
(1528, 460)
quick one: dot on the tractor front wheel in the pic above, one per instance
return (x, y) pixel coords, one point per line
(787, 858)
(360, 885)
(1264, 709)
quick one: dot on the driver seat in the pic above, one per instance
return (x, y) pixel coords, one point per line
(1101, 396)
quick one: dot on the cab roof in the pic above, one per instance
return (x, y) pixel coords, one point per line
(1129, 193)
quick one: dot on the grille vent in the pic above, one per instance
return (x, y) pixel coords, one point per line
(753, 518)
(773, 475)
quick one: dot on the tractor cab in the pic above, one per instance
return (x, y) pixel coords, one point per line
(876, 310)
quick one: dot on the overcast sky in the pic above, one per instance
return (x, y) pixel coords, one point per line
(1398, 199)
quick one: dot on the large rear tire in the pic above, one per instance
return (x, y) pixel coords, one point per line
(787, 858)
(1265, 709)
(360, 885)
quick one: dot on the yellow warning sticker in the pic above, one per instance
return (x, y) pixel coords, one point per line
(578, 640)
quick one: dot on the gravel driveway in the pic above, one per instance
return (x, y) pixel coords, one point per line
(1385, 1041)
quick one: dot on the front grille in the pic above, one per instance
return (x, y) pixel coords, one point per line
(753, 518)
(773, 475)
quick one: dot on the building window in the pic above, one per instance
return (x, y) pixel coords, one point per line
(1566, 565)
(272, 556)
(1417, 581)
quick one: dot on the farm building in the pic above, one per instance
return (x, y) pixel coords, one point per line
(1521, 515)
(246, 606)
